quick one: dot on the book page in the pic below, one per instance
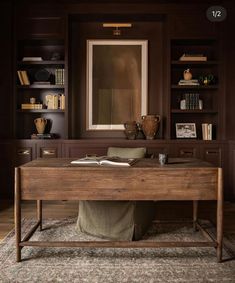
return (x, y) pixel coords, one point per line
(86, 160)
(104, 160)
(117, 162)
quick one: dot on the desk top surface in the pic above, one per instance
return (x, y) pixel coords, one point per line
(141, 163)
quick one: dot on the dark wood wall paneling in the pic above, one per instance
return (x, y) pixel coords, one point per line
(40, 21)
(33, 19)
(6, 98)
(6, 88)
(230, 71)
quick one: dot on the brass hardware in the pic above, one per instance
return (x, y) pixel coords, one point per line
(117, 27)
(23, 152)
(48, 152)
(182, 152)
(211, 152)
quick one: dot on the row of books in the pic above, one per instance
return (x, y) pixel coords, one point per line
(206, 131)
(59, 76)
(193, 57)
(23, 77)
(55, 101)
(189, 82)
(31, 106)
(191, 101)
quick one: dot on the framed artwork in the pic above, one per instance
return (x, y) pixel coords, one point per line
(116, 83)
(186, 130)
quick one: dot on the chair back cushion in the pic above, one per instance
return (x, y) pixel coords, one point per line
(127, 152)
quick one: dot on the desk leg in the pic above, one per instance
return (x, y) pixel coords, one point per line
(195, 210)
(39, 213)
(220, 216)
(17, 214)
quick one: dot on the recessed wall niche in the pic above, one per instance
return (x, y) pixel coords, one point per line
(81, 30)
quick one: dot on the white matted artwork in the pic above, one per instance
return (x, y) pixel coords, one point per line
(186, 130)
(116, 83)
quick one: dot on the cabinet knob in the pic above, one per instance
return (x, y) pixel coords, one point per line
(211, 152)
(48, 152)
(23, 152)
(186, 152)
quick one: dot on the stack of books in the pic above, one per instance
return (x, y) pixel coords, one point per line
(206, 131)
(193, 57)
(188, 82)
(31, 106)
(23, 77)
(43, 136)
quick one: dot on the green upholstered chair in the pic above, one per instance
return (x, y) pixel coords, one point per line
(117, 220)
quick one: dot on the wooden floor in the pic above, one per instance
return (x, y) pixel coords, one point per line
(165, 210)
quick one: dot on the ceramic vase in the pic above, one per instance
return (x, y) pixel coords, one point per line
(150, 125)
(40, 124)
(187, 75)
(131, 130)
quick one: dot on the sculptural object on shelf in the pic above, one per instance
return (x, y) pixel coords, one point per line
(40, 124)
(131, 130)
(150, 125)
(187, 75)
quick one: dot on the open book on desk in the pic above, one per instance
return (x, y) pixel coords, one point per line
(105, 161)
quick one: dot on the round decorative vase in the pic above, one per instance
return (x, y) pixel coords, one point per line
(187, 75)
(131, 130)
(40, 124)
(150, 125)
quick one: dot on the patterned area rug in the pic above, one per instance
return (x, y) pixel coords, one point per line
(113, 265)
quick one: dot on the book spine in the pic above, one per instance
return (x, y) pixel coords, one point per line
(25, 78)
(20, 77)
(205, 131)
(62, 101)
(209, 131)
(55, 102)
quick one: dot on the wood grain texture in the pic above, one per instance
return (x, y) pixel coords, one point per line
(57, 179)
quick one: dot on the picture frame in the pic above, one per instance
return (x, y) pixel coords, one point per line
(117, 83)
(186, 130)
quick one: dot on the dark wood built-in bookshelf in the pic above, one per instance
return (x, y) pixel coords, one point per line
(208, 94)
(41, 52)
(39, 29)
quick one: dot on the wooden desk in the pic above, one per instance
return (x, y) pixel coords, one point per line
(57, 179)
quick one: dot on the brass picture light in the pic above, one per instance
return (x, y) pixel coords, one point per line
(117, 27)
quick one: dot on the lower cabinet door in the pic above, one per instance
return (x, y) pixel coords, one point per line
(212, 154)
(49, 149)
(185, 150)
(25, 151)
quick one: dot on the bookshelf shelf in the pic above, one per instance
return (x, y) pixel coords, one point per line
(193, 111)
(201, 87)
(40, 111)
(40, 86)
(195, 63)
(43, 63)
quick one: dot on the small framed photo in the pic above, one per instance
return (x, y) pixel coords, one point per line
(186, 130)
